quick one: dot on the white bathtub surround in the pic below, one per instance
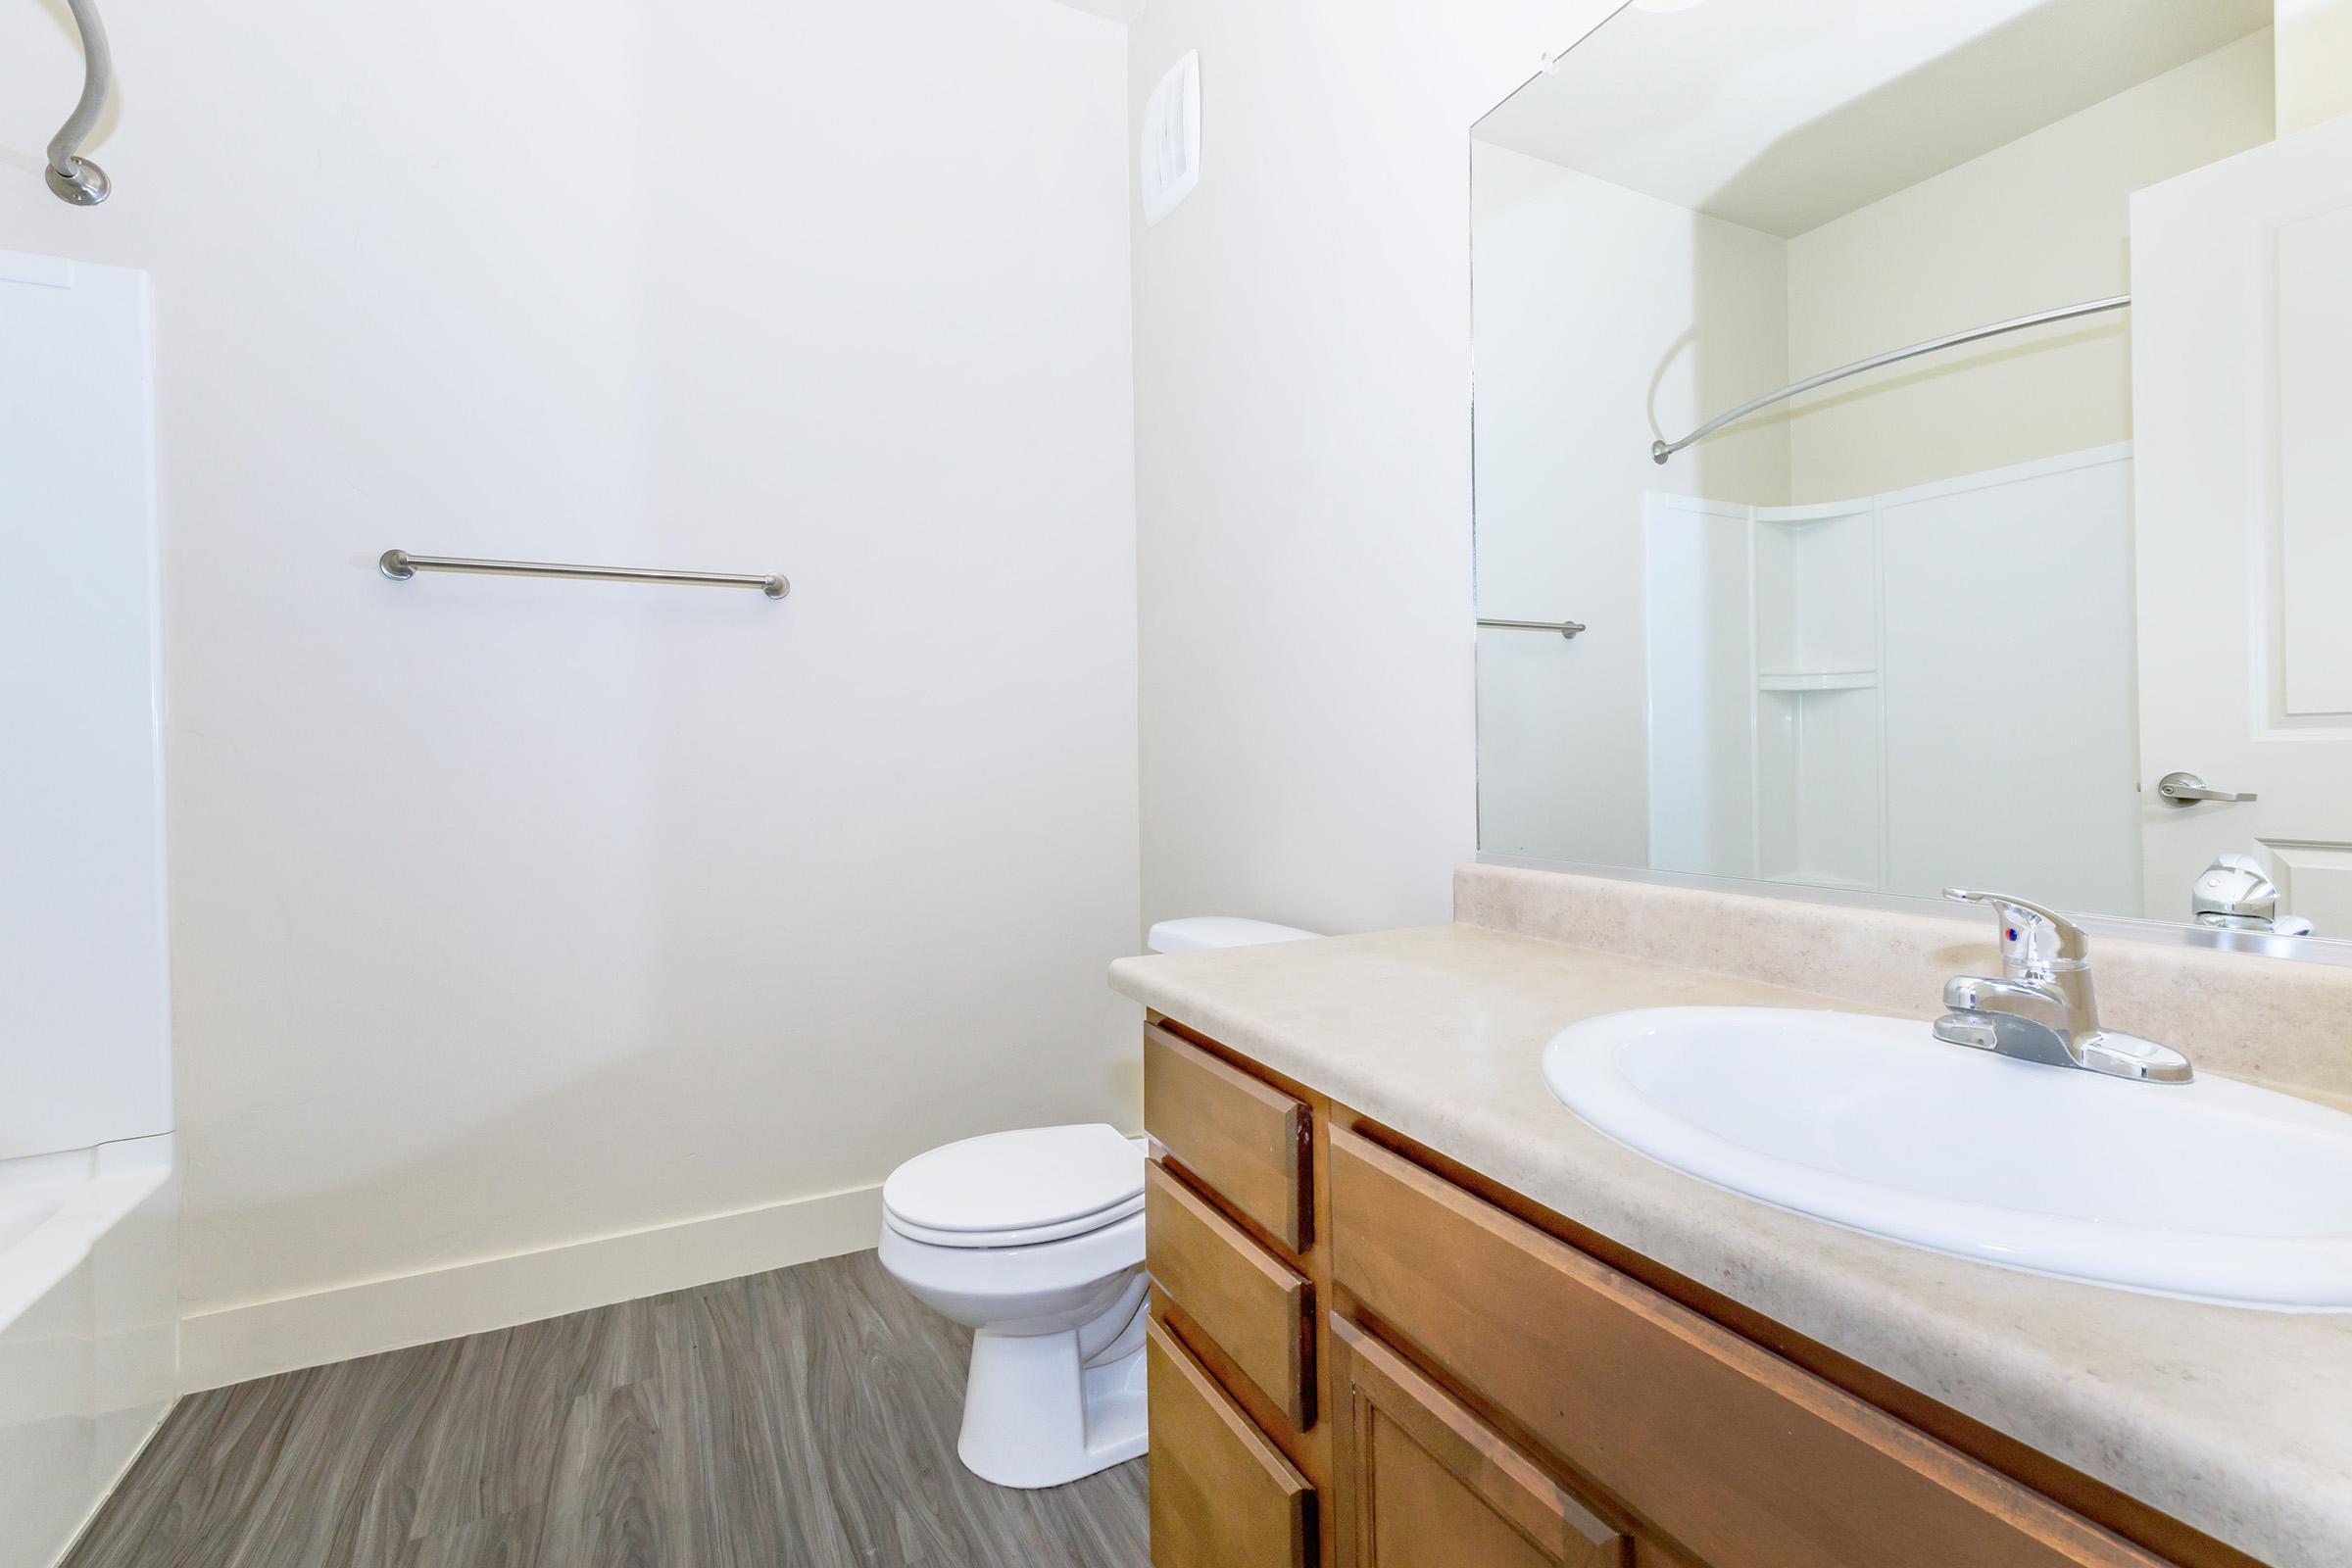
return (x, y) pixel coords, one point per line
(88, 1332)
(84, 994)
(1803, 668)
(89, 1182)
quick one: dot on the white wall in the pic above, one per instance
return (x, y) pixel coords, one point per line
(1303, 454)
(1589, 296)
(2315, 62)
(511, 914)
(2039, 222)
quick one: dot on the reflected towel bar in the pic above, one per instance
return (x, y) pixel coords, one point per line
(1565, 628)
(1661, 451)
(400, 567)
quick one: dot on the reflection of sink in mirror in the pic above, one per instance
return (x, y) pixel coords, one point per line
(1954, 618)
(2213, 1190)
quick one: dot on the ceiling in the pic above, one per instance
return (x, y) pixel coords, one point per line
(1780, 115)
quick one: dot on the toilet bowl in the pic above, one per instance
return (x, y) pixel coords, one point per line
(1034, 1241)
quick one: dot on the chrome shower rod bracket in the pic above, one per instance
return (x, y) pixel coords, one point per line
(71, 176)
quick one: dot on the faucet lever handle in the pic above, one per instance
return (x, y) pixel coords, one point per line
(2032, 936)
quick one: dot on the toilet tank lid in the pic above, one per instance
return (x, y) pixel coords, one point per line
(1201, 932)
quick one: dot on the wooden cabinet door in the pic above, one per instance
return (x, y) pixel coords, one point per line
(1427, 1485)
(1702, 1437)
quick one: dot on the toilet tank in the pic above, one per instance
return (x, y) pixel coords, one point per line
(1201, 932)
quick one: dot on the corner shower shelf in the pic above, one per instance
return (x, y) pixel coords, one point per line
(1815, 680)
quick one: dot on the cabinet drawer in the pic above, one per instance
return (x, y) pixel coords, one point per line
(1245, 1140)
(1703, 1436)
(1427, 1485)
(1258, 1310)
(1222, 1497)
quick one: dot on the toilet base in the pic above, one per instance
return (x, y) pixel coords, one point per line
(1038, 1413)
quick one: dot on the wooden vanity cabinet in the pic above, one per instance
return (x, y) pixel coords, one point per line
(1371, 1365)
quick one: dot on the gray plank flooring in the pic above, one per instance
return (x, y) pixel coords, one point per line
(801, 1419)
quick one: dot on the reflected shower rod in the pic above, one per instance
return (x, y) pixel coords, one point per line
(1661, 451)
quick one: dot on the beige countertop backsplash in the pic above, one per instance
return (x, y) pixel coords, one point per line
(2283, 1023)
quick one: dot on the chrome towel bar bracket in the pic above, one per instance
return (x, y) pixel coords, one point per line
(400, 567)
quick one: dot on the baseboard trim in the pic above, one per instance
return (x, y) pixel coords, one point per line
(237, 1343)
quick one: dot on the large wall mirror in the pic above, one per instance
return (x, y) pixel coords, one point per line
(2063, 609)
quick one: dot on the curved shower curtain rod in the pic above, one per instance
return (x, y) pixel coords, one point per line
(1661, 451)
(72, 177)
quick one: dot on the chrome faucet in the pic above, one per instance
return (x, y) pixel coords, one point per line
(2042, 1009)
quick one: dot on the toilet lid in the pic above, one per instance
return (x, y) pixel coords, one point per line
(1040, 1178)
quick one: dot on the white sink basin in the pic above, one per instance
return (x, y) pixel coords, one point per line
(2211, 1190)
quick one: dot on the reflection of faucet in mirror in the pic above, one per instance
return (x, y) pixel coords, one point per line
(2042, 1009)
(2235, 894)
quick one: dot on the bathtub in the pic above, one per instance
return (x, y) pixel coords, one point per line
(88, 1332)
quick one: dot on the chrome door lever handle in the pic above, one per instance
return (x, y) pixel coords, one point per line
(2186, 789)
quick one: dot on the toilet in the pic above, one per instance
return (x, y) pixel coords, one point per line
(1034, 1240)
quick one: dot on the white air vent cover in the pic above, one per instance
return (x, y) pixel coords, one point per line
(1172, 139)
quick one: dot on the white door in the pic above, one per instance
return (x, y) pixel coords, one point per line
(2241, 280)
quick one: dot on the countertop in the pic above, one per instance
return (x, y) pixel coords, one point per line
(2236, 1421)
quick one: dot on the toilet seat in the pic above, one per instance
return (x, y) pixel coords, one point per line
(1018, 1188)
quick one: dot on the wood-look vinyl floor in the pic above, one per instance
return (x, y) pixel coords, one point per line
(801, 1419)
